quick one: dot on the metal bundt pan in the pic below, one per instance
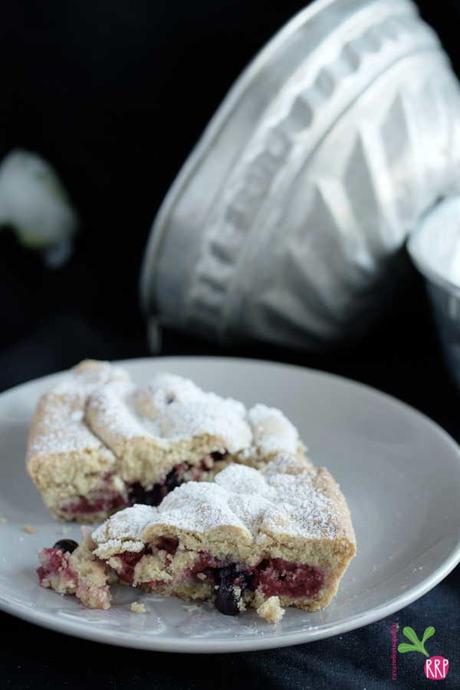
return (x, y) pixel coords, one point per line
(283, 223)
(435, 251)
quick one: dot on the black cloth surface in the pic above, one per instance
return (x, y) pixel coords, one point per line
(114, 94)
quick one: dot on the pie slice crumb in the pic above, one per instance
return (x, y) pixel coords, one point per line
(137, 607)
(271, 610)
(28, 529)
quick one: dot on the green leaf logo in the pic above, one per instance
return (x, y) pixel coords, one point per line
(416, 644)
(429, 632)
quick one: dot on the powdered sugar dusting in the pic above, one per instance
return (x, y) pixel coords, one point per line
(61, 429)
(122, 532)
(171, 409)
(165, 388)
(248, 481)
(273, 432)
(87, 376)
(109, 411)
(174, 408)
(255, 501)
(200, 507)
(59, 425)
(305, 509)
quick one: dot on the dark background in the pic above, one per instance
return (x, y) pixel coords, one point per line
(114, 94)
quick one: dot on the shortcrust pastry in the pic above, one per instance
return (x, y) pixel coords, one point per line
(269, 538)
(99, 443)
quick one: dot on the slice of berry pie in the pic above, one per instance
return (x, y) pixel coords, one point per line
(99, 443)
(269, 538)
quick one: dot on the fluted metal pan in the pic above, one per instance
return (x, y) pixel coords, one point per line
(435, 251)
(285, 220)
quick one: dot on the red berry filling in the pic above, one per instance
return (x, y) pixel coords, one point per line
(96, 503)
(55, 564)
(129, 561)
(273, 577)
(109, 501)
(276, 577)
(204, 564)
(168, 544)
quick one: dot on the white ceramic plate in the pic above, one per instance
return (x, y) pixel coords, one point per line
(399, 471)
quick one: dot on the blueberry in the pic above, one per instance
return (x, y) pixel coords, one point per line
(227, 599)
(154, 496)
(173, 479)
(218, 455)
(227, 574)
(149, 497)
(66, 545)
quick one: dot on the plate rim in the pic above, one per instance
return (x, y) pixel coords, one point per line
(209, 646)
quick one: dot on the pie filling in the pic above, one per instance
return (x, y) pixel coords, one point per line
(55, 569)
(108, 501)
(230, 582)
(99, 501)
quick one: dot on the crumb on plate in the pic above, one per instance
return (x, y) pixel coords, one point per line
(137, 607)
(271, 610)
(28, 529)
